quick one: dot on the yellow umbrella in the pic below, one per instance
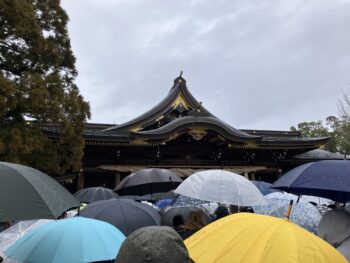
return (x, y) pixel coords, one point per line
(249, 238)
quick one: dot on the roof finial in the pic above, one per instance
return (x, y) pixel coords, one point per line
(181, 74)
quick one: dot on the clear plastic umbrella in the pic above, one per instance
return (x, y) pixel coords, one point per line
(222, 187)
(10, 235)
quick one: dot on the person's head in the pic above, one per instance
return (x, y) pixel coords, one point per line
(178, 220)
(156, 244)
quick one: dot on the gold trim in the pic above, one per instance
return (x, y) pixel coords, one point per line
(136, 129)
(197, 134)
(139, 141)
(180, 100)
(159, 118)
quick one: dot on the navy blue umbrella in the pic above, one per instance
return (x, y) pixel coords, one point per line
(329, 179)
(264, 187)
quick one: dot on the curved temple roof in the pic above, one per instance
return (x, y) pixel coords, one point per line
(179, 112)
(178, 94)
(190, 122)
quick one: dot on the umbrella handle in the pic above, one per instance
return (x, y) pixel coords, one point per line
(289, 209)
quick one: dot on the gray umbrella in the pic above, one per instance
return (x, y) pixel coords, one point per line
(126, 215)
(344, 248)
(93, 194)
(335, 227)
(170, 212)
(153, 244)
(26, 193)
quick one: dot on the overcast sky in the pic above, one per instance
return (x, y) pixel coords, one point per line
(254, 64)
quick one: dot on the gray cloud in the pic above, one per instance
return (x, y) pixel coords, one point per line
(254, 64)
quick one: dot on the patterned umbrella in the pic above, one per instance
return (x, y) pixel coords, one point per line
(182, 200)
(303, 213)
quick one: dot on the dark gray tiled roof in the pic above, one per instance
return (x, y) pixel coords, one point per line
(319, 154)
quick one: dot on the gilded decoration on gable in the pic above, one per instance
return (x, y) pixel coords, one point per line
(180, 100)
(197, 134)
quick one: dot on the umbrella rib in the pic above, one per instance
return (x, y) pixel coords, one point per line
(275, 232)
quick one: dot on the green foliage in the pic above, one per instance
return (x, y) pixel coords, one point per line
(337, 129)
(37, 72)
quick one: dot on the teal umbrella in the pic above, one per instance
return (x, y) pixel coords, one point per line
(27, 193)
(70, 240)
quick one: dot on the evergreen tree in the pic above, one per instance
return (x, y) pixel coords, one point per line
(37, 72)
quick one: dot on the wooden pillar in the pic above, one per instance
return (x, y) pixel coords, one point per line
(252, 176)
(81, 181)
(245, 174)
(116, 179)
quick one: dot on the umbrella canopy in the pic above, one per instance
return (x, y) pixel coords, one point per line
(151, 197)
(170, 212)
(153, 244)
(302, 214)
(329, 179)
(264, 187)
(182, 200)
(126, 215)
(164, 203)
(221, 186)
(344, 248)
(93, 194)
(70, 240)
(335, 227)
(10, 235)
(303, 198)
(26, 193)
(148, 181)
(258, 238)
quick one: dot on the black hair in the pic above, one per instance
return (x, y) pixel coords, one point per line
(178, 220)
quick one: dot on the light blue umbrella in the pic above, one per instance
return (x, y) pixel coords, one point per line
(73, 240)
(302, 214)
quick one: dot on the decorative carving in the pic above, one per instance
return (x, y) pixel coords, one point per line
(139, 141)
(197, 134)
(277, 156)
(181, 102)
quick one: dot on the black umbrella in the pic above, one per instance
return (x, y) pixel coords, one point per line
(184, 211)
(148, 182)
(126, 215)
(26, 193)
(329, 179)
(151, 197)
(93, 194)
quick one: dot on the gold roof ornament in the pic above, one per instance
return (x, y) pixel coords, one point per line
(197, 134)
(180, 100)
